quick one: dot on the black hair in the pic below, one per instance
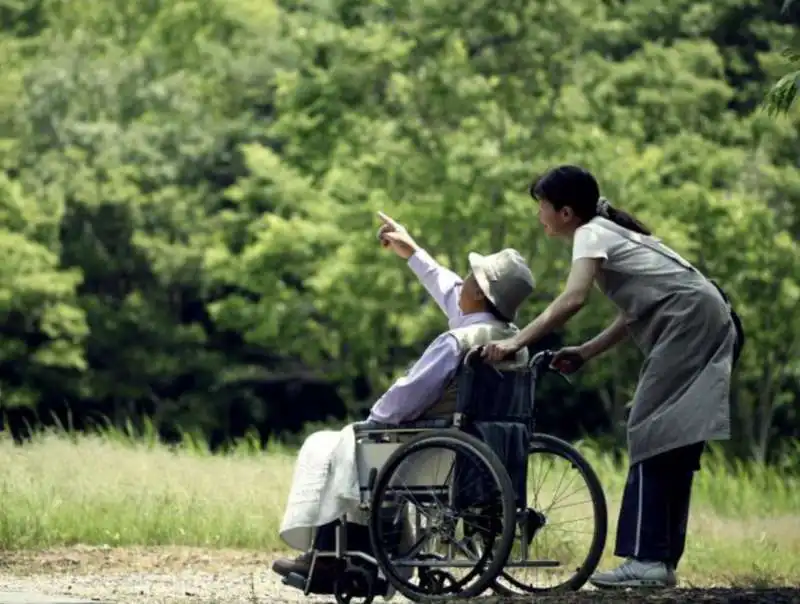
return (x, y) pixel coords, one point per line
(576, 188)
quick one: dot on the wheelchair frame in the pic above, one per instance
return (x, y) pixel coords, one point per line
(354, 581)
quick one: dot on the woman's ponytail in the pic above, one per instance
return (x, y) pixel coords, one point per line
(620, 217)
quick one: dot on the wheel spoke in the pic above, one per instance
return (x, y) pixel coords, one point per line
(569, 532)
(460, 492)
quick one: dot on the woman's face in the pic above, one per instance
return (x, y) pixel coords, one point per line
(556, 223)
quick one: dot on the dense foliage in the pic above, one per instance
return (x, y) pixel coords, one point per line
(784, 92)
(188, 193)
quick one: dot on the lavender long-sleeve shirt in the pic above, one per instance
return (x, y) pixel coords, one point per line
(425, 382)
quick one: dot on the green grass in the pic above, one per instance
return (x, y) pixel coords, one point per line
(109, 489)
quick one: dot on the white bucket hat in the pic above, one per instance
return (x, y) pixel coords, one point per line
(504, 278)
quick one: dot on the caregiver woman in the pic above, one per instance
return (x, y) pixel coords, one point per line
(684, 328)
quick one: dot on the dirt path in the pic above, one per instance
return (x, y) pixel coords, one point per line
(168, 575)
(186, 575)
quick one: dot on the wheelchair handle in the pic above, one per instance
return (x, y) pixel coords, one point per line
(543, 357)
(478, 350)
(543, 360)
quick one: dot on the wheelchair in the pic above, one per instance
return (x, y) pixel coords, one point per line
(449, 505)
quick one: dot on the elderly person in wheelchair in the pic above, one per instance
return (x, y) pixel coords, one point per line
(480, 309)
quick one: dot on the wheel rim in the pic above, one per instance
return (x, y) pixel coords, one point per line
(567, 510)
(440, 522)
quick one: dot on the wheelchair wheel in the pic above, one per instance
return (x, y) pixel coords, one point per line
(561, 535)
(435, 488)
(354, 585)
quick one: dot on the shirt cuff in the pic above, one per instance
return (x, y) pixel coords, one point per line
(421, 262)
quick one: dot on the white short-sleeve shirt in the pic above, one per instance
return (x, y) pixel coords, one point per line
(593, 240)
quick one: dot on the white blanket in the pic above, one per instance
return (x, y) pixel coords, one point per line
(324, 486)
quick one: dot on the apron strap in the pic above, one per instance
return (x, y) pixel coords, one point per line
(648, 241)
(655, 244)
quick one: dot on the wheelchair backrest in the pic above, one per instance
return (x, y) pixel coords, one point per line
(493, 393)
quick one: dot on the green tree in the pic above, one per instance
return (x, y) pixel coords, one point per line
(189, 190)
(43, 328)
(782, 95)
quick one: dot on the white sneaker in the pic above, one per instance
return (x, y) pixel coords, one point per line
(636, 573)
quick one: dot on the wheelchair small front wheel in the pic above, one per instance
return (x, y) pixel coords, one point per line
(435, 496)
(438, 582)
(354, 585)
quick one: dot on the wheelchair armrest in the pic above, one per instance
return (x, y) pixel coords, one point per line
(376, 430)
(421, 424)
(368, 426)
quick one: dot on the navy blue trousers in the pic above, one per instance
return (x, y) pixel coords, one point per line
(655, 506)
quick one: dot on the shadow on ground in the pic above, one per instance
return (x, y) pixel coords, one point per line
(786, 595)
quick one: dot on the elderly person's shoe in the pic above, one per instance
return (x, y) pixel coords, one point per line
(302, 565)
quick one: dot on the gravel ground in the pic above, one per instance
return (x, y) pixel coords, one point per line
(184, 575)
(148, 576)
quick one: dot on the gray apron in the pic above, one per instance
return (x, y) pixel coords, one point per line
(683, 326)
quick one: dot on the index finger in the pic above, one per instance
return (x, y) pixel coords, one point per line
(387, 220)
